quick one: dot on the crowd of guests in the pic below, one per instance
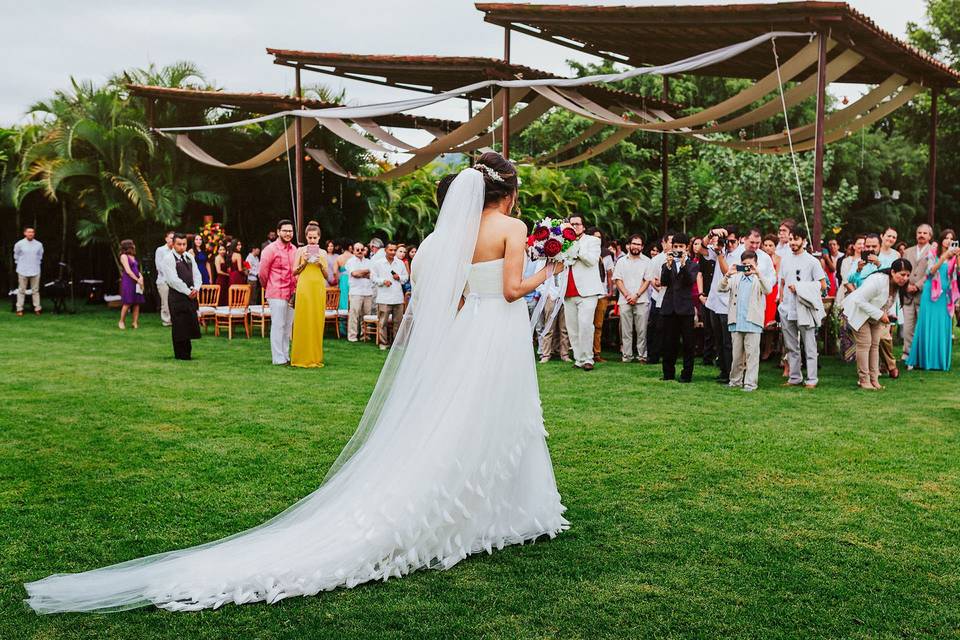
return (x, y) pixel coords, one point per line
(291, 282)
(753, 294)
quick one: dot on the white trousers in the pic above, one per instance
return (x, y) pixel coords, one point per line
(793, 335)
(578, 312)
(163, 289)
(281, 328)
(633, 324)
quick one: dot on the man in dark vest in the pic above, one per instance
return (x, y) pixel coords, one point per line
(183, 277)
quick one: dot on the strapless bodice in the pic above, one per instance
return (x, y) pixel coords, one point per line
(486, 278)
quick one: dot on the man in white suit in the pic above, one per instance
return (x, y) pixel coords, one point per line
(583, 290)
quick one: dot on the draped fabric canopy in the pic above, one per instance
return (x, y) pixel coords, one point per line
(357, 126)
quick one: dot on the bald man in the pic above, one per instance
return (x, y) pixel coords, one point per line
(917, 255)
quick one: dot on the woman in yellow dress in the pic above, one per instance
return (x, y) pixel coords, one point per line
(310, 302)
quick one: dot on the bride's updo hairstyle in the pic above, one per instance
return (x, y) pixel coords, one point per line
(499, 177)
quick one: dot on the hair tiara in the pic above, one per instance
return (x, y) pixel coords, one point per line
(493, 175)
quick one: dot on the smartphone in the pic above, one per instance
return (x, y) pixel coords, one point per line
(955, 244)
(743, 268)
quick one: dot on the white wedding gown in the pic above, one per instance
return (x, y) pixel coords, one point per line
(457, 464)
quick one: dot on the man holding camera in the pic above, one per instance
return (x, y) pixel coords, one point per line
(678, 276)
(801, 278)
(917, 256)
(389, 276)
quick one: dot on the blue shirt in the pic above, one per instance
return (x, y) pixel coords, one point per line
(743, 308)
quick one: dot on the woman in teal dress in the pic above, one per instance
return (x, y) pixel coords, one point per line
(933, 338)
(344, 285)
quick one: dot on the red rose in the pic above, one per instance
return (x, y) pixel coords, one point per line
(541, 233)
(552, 247)
(530, 241)
(569, 234)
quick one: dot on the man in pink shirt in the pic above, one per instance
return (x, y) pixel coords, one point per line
(280, 283)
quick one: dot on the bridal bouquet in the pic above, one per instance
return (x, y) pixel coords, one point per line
(552, 240)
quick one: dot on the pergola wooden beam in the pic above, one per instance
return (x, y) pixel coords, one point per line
(652, 35)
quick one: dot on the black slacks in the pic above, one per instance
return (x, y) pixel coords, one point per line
(654, 335)
(675, 329)
(723, 343)
(182, 349)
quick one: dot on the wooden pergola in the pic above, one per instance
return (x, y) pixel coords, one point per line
(436, 74)
(652, 35)
(264, 103)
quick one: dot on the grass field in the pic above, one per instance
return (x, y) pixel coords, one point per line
(697, 511)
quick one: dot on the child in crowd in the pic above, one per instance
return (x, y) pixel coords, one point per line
(747, 306)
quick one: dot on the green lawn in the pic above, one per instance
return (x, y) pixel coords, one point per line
(697, 511)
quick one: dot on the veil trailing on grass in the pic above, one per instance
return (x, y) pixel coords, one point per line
(342, 533)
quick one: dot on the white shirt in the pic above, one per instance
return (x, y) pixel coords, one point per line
(158, 256)
(718, 302)
(359, 286)
(793, 269)
(654, 267)
(254, 272)
(389, 290)
(167, 269)
(28, 254)
(783, 250)
(632, 272)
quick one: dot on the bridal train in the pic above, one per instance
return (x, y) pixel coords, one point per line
(450, 459)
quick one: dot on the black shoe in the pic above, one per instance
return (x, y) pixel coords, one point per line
(686, 380)
(588, 367)
(666, 379)
(722, 380)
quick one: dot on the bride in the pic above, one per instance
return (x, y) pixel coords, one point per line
(466, 470)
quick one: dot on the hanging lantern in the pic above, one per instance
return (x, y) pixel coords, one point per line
(319, 167)
(845, 100)
(743, 134)
(357, 194)
(306, 158)
(333, 200)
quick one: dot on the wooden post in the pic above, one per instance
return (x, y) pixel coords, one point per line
(932, 190)
(505, 137)
(818, 158)
(298, 164)
(665, 166)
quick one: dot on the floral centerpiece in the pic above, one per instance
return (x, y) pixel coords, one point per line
(212, 234)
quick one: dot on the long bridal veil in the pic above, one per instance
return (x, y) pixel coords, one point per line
(306, 548)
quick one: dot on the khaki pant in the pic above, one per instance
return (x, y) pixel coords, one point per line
(909, 326)
(745, 368)
(886, 348)
(868, 352)
(633, 325)
(388, 319)
(598, 318)
(555, 336)
(359, 306)
(163, 289)
(32, 283)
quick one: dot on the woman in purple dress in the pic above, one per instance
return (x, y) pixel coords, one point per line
(131, 283)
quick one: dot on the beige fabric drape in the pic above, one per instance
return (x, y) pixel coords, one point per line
(610, 141)
(346, 132)
(590, 131)
(563, 101)
(788, 70)
(838, 119)
(276, 148)
(518, 122)
(327, 161)
(377, 131)
(877, 114)
(836, 68)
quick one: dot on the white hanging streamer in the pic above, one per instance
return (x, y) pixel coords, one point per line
(786, 123)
